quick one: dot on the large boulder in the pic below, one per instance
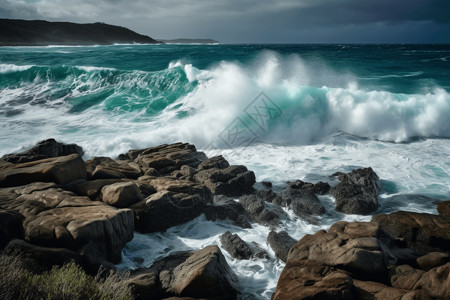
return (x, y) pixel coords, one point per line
(121, 194)
(357, 192)
(349, 246)
(44, 149)
(305, 279)
(60, 170)
(174, 203)
(197, 274)
(57, 218)
(410, 235)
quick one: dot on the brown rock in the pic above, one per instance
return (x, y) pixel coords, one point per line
(231, 181)
(369, 290)
(359, 254)
(204, 274)
(61, 170)
(436, 282)
(303, 279)
(432, 260)
(417, 233)
(405, 276)
(106, 168)
(444, 209)
(121, 194)
(91, 188)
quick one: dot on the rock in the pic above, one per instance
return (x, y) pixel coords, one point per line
(121, 194)
(44, 149)
(280, 242)
(204, 274)
(436, 282)
(320, 188)
(61, 170)
(176, 202)
(357, 192)
(258, 211)
(57, 218)
(10, 226)
(235, 246)
(433, 260)
(444, 209)
(369, 290)
(197, 274)
(304, 203)
(40, 258)
(106, 168)
(312, 280)
(145, 285)
(355, 249)
(226, 208)
(231, 181)
(267, 184)
(216, 162)
(91, 189)
(405, 276)
(167, 158)
(185, 173)
(409, 235)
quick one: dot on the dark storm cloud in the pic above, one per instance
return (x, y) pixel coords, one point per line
(254, 20)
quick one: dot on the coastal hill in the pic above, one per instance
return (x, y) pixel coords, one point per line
(189, 41)
(42, 33)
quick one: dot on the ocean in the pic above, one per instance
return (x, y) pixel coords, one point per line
(287, 112)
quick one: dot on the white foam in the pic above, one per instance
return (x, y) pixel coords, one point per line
(9, 68)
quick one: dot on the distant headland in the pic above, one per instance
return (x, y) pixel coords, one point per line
(189, 41)
(43, 33)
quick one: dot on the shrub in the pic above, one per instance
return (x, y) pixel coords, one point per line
(60, 283)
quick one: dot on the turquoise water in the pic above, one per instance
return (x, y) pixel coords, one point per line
(285, 111)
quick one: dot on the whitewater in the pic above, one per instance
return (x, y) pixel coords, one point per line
(286, 112)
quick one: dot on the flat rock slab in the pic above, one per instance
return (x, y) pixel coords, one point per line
(60, 170)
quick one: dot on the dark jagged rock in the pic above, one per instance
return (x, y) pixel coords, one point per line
(357, 192)
(42, 33)
(44, 149)
(320, 188)
(280, 242)
(258, 210)
(304, 203)
(234, 245)
(10, 226)
(216, 162)
(224, 208)
(61, 170)
(198, 274)
(444, 209)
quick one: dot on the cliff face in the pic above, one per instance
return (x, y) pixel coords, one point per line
(41, 33)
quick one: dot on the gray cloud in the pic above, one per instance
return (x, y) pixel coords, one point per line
(255, 20)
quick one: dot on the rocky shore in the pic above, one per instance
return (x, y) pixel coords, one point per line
(56, 208)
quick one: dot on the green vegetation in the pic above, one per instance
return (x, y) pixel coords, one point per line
(61, 283)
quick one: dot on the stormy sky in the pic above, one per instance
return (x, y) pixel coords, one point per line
(255, 21)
